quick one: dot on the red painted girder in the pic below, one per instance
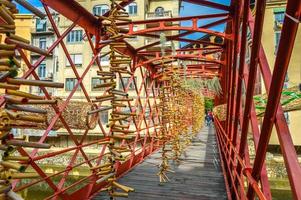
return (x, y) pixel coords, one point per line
(153, 52)
(237, 115)
(173, 19)
(181, 40)
(180, 56)
(260, 8)
(286, 44)
(209, 4)
(256, 134)
(178, 37)
(72, 10)
(163, 27)
(76, 13)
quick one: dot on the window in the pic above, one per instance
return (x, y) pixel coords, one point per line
(125, 81)
(279, 16)
(277, 40)
(40, 25)
(132, 8)
(75, 36)
(159, 11)
(94, 82)
(100, 9)
(77, 59)
(42, 43)
(104, 117)
(42, 70)
(70, 83)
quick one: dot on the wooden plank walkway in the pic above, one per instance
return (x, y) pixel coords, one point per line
(198, 175)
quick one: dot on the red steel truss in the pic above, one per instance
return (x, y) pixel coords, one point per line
(230, 67)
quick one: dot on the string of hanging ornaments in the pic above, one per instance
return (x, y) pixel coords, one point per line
(182, 112)
(19, 110)
(120, 63)
(23, 110)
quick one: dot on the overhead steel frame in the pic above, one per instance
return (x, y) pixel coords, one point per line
(232, 135)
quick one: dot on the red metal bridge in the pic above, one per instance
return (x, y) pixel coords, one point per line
(244, 178)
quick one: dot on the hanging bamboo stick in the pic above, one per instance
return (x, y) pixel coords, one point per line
(106, 177)
(118, 105)
(25, 109)
(20, 81)
(123, 187)
(103, 73)
(27, 46)
(31, 8)
(105, 96)
(19, 38)
(23, 94)
(118, 118)
(101, 166)
(41, 102)
(103, 99)
(16, 158)
(6, 16)
(7, 53)
(110, 84)
(123, 99)
(20, 143)
(122, 131)
(119, 92)
(99, 110)
(7, 46)
(8, 4)
(102, 173)
(4, 68)
(121, 137)
(119, 194)
(16, 100)
(24, 175)
(13, 165)
(123, 113)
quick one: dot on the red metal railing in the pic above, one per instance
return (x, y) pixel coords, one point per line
(232, 70)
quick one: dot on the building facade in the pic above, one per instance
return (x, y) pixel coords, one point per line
(56, 66)
(24, 24)
(81, 53)
(43, 36)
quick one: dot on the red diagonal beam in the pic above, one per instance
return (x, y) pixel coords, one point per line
(260, 8)
(286, 44)
(75, 12)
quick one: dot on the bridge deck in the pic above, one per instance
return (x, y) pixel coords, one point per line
(197, 176)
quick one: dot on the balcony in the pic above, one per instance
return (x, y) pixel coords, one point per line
(156, 15)
(44, 31)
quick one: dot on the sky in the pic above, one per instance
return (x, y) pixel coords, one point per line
(187, 9)
(36, 3)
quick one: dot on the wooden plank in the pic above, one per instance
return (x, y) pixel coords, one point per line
(197, 176)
